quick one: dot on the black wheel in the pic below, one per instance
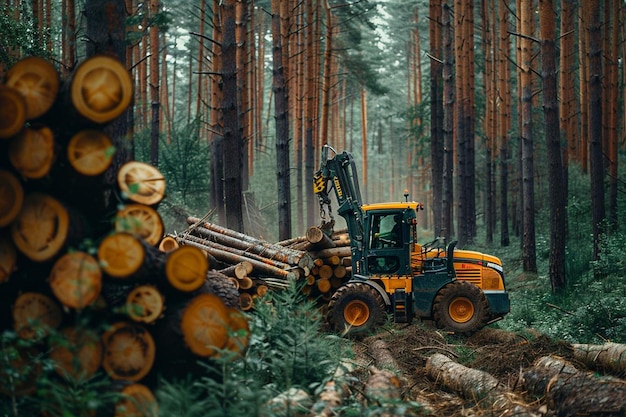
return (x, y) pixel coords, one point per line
(356, 308)
(461, 307)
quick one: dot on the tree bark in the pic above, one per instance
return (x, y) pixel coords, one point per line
(556, 174)
(233, 146)
(281, 114)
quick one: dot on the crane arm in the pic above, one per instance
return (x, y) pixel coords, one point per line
(340, 172)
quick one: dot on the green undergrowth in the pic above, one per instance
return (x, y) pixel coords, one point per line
(591, 309)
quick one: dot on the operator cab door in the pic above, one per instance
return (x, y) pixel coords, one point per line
(388, 252)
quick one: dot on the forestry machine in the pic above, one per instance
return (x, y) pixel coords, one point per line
(460, 290)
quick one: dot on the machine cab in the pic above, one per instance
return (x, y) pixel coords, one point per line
(389, 238)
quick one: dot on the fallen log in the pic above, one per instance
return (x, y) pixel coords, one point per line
(478, 386)
(137, 400)
(609, 356)
(145, 304)
(35, 315)
(142, 221)
(572, 392)
(90, 152)
(186, 268)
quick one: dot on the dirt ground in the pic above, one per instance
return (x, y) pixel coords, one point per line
(404, 350)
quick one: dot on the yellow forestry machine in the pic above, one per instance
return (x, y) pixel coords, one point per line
(460, 290)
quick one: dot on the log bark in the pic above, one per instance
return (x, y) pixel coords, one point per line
(341, 251)
(264, 250)
(573, 392)
(609, 356)
(233, 258)
(8, 258)
(477, 385)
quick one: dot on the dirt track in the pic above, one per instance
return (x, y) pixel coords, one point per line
(404, 350)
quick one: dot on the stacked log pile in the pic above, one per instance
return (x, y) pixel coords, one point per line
(318, 261)
(81, 284)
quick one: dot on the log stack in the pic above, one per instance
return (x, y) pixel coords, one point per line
(320, 262)
(81, 284)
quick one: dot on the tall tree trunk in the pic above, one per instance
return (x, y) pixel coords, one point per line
(558, 198)
(436, 114)
(611, 11)
(596, 160)
(310, 142)
(504, 114)
(216, 121)
(282, 128)
(233, 146)
(155, 104)
(528, 189)
(448, 118)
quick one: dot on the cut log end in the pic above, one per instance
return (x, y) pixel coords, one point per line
(101, 89)
(141, 183)
(31, 152)
(129, 352)
(186, 268)
(145, 303)
(140, 220)
(38, 82)
(78, 355)
(13, 115)
(168, 244)
(76, 279)
(8, 258)
(41, 228)
(11, 197)
(35, 314)
(121, 255)
(204, 325)
(137, 400)
(90, 152)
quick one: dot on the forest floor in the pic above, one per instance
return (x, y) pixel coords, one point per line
(404, 351)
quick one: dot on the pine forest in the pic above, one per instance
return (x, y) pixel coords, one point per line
(164, 248)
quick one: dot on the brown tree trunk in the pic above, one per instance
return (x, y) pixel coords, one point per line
(448, 120)
(556, 173)
(505, 120)
(528, 189)
(436, 113)
(154, 85)
(233, 146)
(281, 114)
(596, 158)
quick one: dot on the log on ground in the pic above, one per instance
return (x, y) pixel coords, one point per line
(572, 392)
(476, 385)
